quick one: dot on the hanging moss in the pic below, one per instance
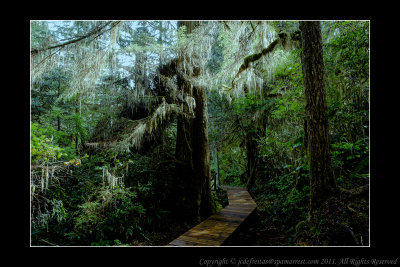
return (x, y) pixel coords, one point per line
(283, 38)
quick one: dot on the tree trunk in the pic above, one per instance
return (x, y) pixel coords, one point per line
(217, 178)
(58, 96)
(192, 148)
(252, 155)
(322, 183)
(77, 131)
(160, 42)
(201, 153)
(140, 73)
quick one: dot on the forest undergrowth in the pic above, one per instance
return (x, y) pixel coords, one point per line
(107, 167)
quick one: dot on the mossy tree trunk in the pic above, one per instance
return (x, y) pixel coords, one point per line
(252, 156)
(192, 148)
(254, 131)
(322, 183)
(58, 96)
(201, 155)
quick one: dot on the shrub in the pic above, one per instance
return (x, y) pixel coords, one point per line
(108, 214)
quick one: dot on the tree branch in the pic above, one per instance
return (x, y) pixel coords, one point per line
(226, 25)
(282, 39)
(93, 32)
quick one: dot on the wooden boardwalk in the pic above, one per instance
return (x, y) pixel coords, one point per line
(218, 227)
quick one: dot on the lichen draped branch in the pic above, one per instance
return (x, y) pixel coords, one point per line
(97, 30)
(282, 39)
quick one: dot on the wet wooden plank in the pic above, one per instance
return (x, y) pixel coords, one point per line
(218, 227)
(241, 208)
(198, 240)
(226, 218)
(179, 243)
(234, 214)
(205, 234)
(237, 211)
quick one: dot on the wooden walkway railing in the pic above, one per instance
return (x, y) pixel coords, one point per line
(218, 227)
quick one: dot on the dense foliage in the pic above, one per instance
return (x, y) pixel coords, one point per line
(104, 132)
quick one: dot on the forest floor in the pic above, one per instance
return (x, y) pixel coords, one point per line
(254, 231)
(163, 238)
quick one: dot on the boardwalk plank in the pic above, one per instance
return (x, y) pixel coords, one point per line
(204, 234)
(218, 227)
(207, 242)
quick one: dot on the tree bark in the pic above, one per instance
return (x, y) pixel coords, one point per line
(217, 177)
(322, 183)
(77, 131)
(252, 155)
(192, 148)
(201, 154)
(58, 96)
